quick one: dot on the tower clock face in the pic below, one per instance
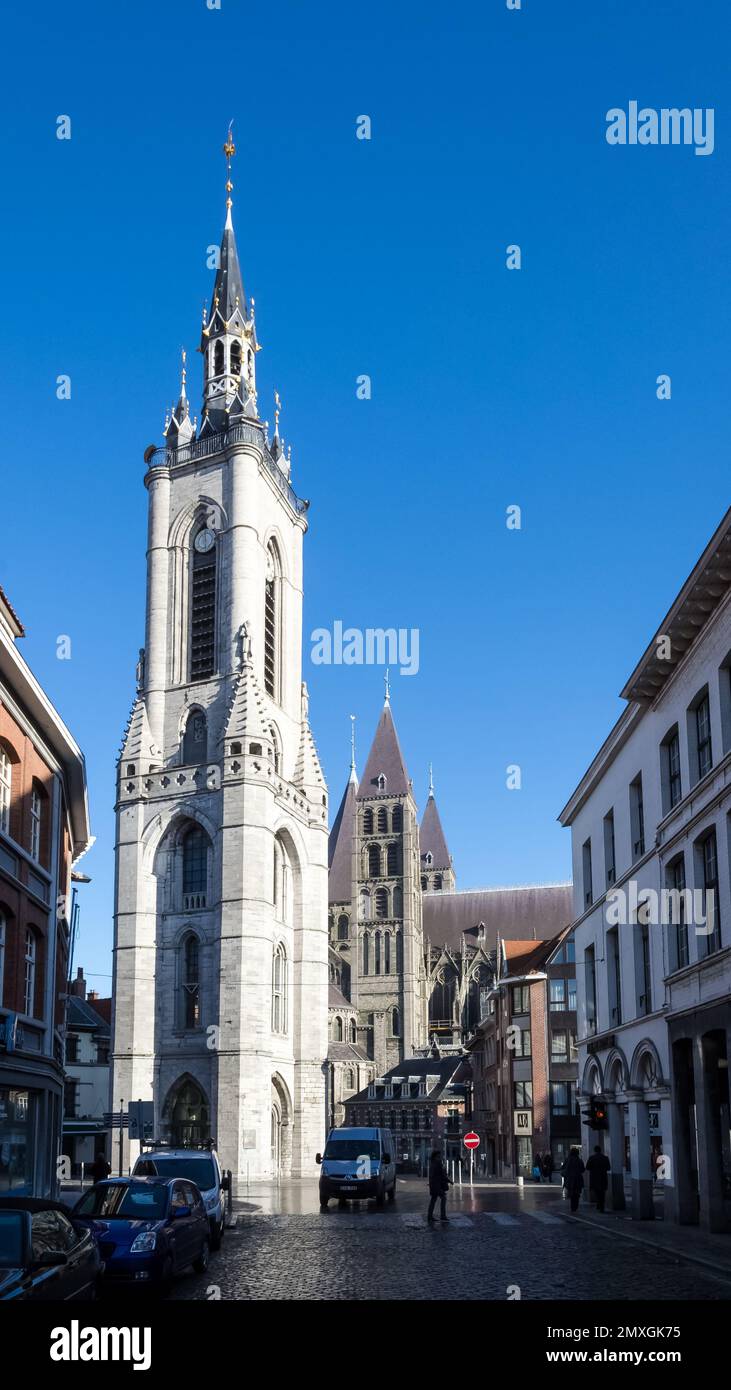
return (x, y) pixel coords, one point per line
(204, 540)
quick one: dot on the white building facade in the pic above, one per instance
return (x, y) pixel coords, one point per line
(651, 836)
(221, 941)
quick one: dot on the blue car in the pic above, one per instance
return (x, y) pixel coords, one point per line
(148, 1229)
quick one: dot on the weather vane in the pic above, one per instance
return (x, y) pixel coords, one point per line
(229, 150)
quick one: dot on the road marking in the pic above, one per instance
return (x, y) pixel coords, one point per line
(502, 1218)
(545, 1218)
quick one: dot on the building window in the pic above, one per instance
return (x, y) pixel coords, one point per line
(560, 1046)
(353, 1031)
(395, 1023)
(522, 1095)
(563, 1097)
(392, 859)
(387, 953)
(610, 863)
(586, 862)
(191, 997)
(711, 929)
(6, 784)
(342, 927)
(374, 861)
(703, 736)
(572, 996)
(195, 869)
(203, 607)
(366, 952)
(29, 982)
(397, 818)
(338, 1029)
(377, 953)
(590, 970)
(521, 999)
(35, 823)
(637, 817)
(381, 902)
(382, 820)
(236, 358)
(397, 909)
(614, 978)
(272, 623)
(642, 958)
(279, 991)
(424, 884)
(195, 738)
(558, 995)
(72, 1048)
(522, 1048)
(678, 925)
(350, 1081)
(368, 821)
(437, 883)
(365, 905)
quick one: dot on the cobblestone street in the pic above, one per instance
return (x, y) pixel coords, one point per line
(282, 1247)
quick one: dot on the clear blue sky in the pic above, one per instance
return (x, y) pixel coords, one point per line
(384, 257)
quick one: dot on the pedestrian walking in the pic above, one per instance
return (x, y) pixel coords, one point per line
(573, 1176)
(100, 1169)
(438, 1186)
(537, 1172)
(598, 1168)
(548, 1167)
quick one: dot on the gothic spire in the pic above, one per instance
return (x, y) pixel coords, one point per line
(385, 771)
(432, 839)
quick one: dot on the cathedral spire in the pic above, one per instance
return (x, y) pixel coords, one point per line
(353, 774)
(228, 339)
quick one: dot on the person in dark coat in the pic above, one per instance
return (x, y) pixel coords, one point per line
(548, 1167)
(438, 1185)
(598, 1168)
(100, 1169)
(573, 1177)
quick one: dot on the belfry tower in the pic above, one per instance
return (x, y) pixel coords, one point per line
(221, 968)
(375, 901)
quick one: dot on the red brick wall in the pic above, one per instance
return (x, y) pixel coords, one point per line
(541, 1136)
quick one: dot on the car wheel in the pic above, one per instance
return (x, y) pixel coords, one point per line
(323, 1203)
(392, 1193)
(201, 1264)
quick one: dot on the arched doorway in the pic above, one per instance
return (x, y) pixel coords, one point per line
(281, 1129)
(188, 1114)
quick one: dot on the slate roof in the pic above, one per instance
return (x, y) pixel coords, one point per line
(431, 837)
(340, 847)
(82, 1015)
(346, 1052)
(450, 1071)
(336, 999)
(537, 912)
(229, 284)
(385, 757)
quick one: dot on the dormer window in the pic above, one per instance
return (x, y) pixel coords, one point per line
(381, 782)
(429, 859)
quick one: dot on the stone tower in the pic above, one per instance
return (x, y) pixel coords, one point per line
(437, 869)
(375, 902)
(221, 946)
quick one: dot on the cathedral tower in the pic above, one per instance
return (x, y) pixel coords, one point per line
(437, 869)
(375, 902)
(221, 964)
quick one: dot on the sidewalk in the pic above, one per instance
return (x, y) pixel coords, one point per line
(687, 1243)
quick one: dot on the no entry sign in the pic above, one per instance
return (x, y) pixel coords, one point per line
(471, 1140)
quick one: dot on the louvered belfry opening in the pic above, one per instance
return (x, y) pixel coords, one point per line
(203, 616)
(270, 626)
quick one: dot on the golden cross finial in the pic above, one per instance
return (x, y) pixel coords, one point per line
(229, 150)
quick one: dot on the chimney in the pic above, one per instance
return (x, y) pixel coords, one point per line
(78, 986)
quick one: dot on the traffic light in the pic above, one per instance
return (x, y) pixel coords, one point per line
(595, 1114)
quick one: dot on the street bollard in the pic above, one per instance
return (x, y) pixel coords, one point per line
(520, 1180)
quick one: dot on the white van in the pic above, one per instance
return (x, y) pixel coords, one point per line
(358, 1163)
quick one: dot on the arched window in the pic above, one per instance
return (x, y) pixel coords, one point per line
(381, 902)
(350, 1080)
(400, 953)
(387, 953)
(195, 869)
(353, 1035)
(191, 991)
(190, 1122)
(395, 1023)
(282, 887)
(272, 620)
(338, 1030)
(392, 859)
(377, 953)
(382, 820)
(398, 901)
(368, 821)
(203, 606)
(279, 990)
(366, 953)
(236, 358)
(29, 979)
(36, 821)
(424, 884)
(437, 882)
(3, 926)
(374, 861)
(218, 358)
(195, 738)
(276, 749)
(365, 905)
(343, 927)
(397, 818)
(6, 787)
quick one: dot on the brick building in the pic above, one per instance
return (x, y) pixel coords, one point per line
(425, 1102)
(86, 1088)
(524, 1057)
(44, 827)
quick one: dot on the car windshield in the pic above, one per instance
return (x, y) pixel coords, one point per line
(345, 1150)
(125, 1201)
(11, 1239)
(198, 1170)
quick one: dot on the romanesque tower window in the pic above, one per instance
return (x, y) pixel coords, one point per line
(279, 990)
(353, 1037)
(338, 1029)
(272, 621)
(374, 861)
(387, 953)
(195, 869)
(382, 820)
(397, 819)
(395, 1023)
(365, 905)
(191, 981)
(342, 927)
(393, 858)
(381, 902)
(398, 901)
(368, 821)
(377, 952)
(203, 607)
(366, 953)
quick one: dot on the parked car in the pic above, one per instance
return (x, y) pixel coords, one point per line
(200, 1166)
(358, 1163)
(44, 1253)
(148, 1229)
